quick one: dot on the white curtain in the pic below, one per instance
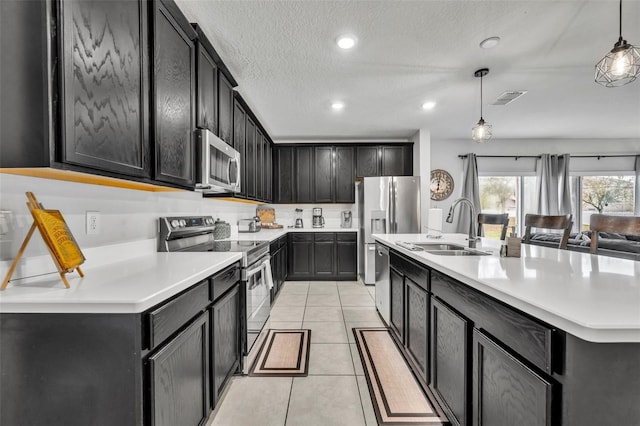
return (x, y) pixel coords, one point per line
(636, 210)
(554, 191)
(470, 189)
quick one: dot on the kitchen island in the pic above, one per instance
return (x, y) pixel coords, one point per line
(552, 337)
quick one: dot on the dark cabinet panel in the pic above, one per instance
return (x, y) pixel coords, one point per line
(207, 105)
(104, 87)
(179, 377)
(301, 257)
(323, 179)
(449, 361)
(324, 253)
(505, 391)
(396, 286)
(250, 158)
(284, 173)
(260, 187)
(239, 137)
(225, 337)
(367, 161)
(392, 160)
(417, 325)
(268, 171)
(304, 168)
(225, 108)
(344, 174)
(346, 255)
(174, 92)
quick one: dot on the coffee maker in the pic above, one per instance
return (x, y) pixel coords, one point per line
(318, 220)
(346, 219)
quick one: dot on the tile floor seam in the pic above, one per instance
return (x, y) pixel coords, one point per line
(286, 414)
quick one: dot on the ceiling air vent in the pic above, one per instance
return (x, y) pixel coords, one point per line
(508, 97)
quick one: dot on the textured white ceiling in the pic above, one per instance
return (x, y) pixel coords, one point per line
(289, 69)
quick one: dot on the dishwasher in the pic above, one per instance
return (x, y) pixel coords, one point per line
(383, 303)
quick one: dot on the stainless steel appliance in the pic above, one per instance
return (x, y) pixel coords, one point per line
(249, 225)
(195, 234)
(383, 302)
(219, 169)
(299, 223)
(318, 220)
(346, 217)
(386, 205)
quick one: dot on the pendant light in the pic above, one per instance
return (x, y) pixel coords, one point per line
(481, 132)
(620, 66)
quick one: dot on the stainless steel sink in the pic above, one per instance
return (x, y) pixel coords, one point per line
(438, 246)
(458, 252)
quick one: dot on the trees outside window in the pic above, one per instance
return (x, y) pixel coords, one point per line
(606, 195)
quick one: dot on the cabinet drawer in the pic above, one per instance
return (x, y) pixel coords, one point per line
(224, 280)
(346, 236)
(301, 236)
(325, 236)
(168, 318)
(527, 337)
(418, 274)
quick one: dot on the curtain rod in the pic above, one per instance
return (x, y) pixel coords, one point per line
(537, 156)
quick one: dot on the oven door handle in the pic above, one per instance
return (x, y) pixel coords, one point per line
(252, 272)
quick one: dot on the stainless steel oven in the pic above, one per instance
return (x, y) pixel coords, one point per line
(219, 169)
(258, 282)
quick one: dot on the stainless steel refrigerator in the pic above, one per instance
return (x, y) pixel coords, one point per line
(386, 205)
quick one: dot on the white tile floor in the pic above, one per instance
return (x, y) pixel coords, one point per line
(335, 392)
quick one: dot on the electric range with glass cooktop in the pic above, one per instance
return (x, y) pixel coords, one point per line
(195, 234)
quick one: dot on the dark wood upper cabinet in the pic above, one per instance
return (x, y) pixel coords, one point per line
(174, 95)
(304, 178)
(367, 162)
(104, 85)
(207, 105)
(225, 108)
(284, 157)
(239, 137)
(345, 176)
(250, 158)
(323, 177)
(260, 186)
(268, 170)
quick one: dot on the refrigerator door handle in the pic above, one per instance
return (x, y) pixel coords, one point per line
(392, 206)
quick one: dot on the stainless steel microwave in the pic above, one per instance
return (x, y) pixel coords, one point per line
(219, 164)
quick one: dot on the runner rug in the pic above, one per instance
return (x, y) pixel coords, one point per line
(396, 395)
(284, 353)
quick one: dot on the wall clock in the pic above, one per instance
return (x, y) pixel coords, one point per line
(441, 185)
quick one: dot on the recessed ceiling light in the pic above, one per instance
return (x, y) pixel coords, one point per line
(490, 42)
(429, 105)
(337, 105)
(346, 41)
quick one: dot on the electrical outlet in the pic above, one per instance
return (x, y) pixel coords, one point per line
(93, 223)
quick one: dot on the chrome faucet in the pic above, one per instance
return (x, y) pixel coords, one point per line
(473, 226)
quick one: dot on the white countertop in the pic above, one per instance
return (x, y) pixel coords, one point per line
(273, 234)
(596, 298)
(126, 286)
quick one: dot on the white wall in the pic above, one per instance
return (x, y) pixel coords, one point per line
(126, 215)
(444, 155)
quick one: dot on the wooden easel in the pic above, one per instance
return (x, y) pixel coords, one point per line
(63, 266)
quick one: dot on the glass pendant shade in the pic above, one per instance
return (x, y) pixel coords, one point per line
(620, 66)
(481, 132)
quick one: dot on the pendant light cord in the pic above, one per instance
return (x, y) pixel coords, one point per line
(620, 19)
(481, 77)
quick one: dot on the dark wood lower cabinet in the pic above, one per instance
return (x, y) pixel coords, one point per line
(506, 392)
(417, 326)
(322, 256)
(449, 361)
(396, 285)
(225, 340)
(179, 377)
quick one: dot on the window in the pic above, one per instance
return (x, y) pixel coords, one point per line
(515, 195)
(605, 194)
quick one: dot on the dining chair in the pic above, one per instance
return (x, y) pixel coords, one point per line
(627, 225)
(562, 222)
(494, 219)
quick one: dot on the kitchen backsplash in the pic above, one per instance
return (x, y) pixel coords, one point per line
(285, 214)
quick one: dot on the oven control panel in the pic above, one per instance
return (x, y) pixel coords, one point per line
(189, 222)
